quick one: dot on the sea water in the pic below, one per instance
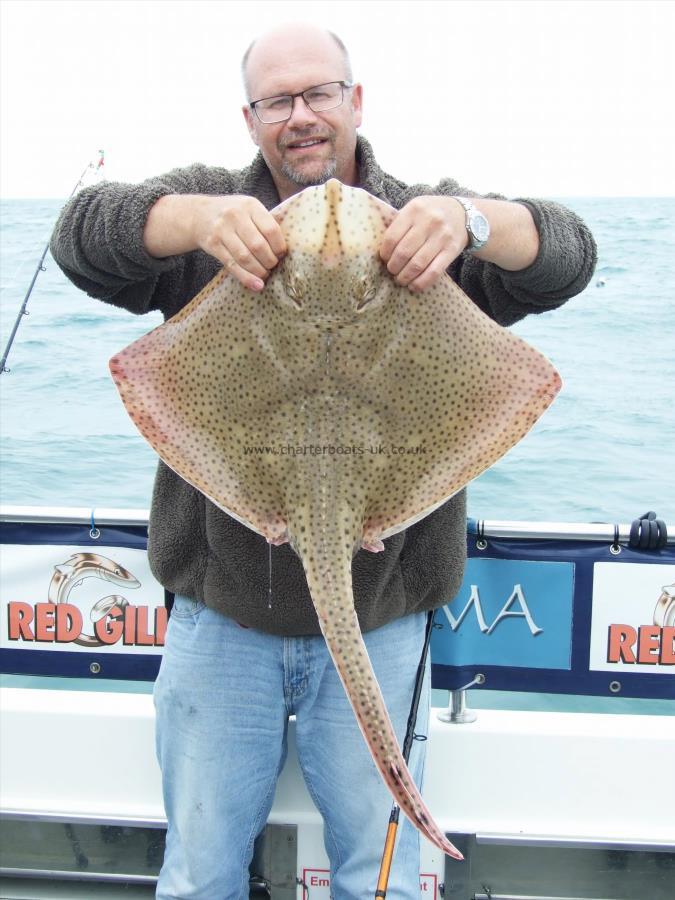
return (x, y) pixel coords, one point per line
(605, 450)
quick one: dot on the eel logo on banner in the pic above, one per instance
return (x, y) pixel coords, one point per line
(633, 624)
(82, 600)
(509, 613)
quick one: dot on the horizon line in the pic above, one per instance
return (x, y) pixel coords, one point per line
(546, 195)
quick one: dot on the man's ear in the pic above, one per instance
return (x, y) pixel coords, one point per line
(249, 115)
(357, 104)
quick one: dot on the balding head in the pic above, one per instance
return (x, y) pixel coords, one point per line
(308, 147)
(286, 42)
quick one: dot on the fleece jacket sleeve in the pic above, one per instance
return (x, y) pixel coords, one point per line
(98, 242)
(563, 267)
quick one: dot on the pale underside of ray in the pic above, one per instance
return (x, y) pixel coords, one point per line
(335, 406)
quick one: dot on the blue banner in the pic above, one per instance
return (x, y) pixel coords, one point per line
(541, 615)
(509, 613)
(554, 616)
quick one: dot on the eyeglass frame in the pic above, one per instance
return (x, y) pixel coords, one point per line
(343, 85)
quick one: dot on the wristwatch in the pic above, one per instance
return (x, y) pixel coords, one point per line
(476, 224)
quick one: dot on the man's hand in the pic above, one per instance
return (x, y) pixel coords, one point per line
(430, 232)
(424, 238)
(242, 234)
(236, 229)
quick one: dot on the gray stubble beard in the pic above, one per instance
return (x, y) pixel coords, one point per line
(306, 180)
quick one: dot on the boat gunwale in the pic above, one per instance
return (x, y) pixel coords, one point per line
(494, 528)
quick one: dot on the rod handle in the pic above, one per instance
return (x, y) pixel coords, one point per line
(387, 856)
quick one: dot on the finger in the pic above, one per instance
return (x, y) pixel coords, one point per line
(406, 249)
(240, 253)
(395, 234)
(269, 228)
(249, 281)
(417, 264)
(257, 244)
(434, 271)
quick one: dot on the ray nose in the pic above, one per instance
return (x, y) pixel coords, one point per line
(332, 250)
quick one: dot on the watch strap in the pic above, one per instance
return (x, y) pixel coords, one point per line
(475, 243)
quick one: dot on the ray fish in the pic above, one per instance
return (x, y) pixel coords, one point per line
(424, 390)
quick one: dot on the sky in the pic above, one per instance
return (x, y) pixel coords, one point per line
(551, 98)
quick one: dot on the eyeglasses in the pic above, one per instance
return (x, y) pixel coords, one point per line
(319, 98)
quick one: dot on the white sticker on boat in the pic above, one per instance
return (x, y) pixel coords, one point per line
(69, 598)
(633, 618)
(429, 886)
(316, 884)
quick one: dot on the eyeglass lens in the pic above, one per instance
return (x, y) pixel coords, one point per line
(319, 98)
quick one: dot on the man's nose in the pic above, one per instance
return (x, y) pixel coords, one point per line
(301, 114)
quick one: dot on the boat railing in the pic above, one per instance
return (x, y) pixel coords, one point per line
(563, 531)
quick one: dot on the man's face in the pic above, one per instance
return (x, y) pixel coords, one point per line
(310, 147)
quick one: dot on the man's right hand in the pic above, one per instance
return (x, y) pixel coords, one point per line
(235, 229)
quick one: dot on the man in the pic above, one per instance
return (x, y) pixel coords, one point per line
(234, 669)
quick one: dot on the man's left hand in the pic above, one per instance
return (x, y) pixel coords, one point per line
(427, 234)
(430, 232)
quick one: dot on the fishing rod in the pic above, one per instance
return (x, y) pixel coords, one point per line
(41, 268)
(388, 852)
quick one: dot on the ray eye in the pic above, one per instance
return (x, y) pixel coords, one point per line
(365, 292)
(294, 287)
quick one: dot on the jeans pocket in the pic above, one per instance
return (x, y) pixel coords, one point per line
(186, 608)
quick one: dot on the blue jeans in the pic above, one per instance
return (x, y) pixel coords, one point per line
(223, 697)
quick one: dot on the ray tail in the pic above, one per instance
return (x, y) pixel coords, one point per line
(327, 562)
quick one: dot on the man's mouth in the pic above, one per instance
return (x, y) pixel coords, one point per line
(305, 144)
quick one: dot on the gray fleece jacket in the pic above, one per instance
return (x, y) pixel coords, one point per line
(194, 548)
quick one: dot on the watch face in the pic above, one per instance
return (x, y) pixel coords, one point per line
(480, 227)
